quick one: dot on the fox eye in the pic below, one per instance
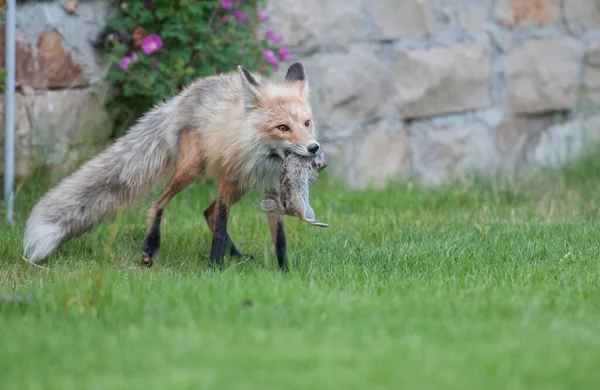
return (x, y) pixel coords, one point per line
(283, 128)
(307, 123)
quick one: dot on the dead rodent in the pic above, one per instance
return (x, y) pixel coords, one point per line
(296, 172)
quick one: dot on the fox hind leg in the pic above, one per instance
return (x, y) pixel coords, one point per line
(189, 165)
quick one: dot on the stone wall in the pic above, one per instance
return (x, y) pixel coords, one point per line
(60, 115)
(426, 89)
(432, 89)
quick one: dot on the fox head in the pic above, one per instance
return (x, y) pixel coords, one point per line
(281, 112)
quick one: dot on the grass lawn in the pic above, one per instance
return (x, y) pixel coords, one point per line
(481, 285)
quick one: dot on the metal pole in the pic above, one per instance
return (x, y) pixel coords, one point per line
(9, 112)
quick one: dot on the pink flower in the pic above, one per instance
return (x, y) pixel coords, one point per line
(151, 44)
(241, 17)
(272, 35)
(127, 60)
(125, 63)
(270, 58)
(263, 16)
(225, 19)
(284, 53)
(226, 4)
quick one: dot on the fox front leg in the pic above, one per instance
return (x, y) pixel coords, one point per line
(209, 216)
(188, 168)
(227, 194)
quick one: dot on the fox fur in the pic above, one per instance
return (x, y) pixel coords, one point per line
(235, 126)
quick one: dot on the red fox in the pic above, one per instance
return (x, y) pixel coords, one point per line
(235, 126)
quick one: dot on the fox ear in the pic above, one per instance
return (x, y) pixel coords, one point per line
(250, 89)
(296, 76)
(296, 72)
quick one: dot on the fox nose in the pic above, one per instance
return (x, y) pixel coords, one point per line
(313, 148)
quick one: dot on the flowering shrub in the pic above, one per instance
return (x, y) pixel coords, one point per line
(157, 47)
(2, 79)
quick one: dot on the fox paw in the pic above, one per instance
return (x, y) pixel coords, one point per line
(235, 253)
(147, 260)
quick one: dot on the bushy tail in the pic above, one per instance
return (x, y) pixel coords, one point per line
(120, 175)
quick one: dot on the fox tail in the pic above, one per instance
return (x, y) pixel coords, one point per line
(122, 174)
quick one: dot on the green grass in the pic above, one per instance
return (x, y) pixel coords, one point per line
(480, 285)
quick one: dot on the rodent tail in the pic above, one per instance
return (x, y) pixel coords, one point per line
(121, 174)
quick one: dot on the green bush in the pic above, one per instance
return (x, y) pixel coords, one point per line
(158, 47)
(2, 79)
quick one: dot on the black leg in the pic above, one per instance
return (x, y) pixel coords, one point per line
(208, 215)
(152, 240)
(281, 247)
(279, 242)
(220, 237)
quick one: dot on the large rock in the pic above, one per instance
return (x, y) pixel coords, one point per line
(54, 48)
(300, 23)
(444, 152)
(51, 67)
(59, 128)
(527, 13)
(305, 25)
(22, 133)
(443, 80)
(582, 15)
(353, 87)
(565, 142)
(591, 80)
(542, 74)
(345, 21)
(395, 19)
(465, 14)
(373, 156)
(515, 135)
(510, 139)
